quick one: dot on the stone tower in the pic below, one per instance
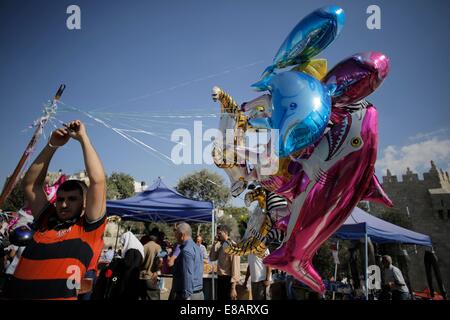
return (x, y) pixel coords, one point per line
(426, 202)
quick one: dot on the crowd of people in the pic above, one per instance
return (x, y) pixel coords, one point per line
(64, 259)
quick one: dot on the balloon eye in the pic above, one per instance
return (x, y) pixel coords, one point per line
(356, 142)
(293, 106)
(260, 108)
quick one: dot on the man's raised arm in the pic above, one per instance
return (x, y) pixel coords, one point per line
(34, 180)
(96, 194)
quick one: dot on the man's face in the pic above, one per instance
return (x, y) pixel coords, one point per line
(385, 263)
(69, 204)
(198, 240)
(222, 235)
(179, 236)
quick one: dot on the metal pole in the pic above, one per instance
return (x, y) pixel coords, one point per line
(335, 269)
(366, 265)
(213, 236)
(9, 185)
(117, 237)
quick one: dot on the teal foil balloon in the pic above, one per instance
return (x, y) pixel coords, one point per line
(301, 107)
(310, 36)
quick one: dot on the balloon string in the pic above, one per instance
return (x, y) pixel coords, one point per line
(180, 85)
(73, 108)
(143, 117)
(181, 116)
(124, 134)
(159, 155)
(153, 114)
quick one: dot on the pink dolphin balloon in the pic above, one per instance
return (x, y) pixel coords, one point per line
(341, 169)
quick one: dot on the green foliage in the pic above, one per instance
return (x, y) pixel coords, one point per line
(323, 261)
(242, 223)
(136, 227)
(205, 185)
(231, 222)
(198, 186)
(111, 190)
(237, 213)
(119, 186)
(162, 227)
(16, 198)
(203, 229)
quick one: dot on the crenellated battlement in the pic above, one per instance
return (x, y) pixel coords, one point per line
(434, 178)
(425, 202)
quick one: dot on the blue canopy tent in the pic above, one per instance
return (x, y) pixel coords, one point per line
(160, 204)
(362, 225)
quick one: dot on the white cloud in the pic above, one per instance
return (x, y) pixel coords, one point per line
(416, 156)
(421, 135)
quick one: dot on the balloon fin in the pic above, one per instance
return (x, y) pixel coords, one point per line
(266, 76)
(316, 68)
(301, 270)
(260, 123)
(375, 193)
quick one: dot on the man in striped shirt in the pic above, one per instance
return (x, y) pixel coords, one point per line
(69, 235)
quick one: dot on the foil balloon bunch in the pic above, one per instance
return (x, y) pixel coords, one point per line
(325, 150)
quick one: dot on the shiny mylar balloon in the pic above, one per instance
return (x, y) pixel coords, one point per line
(301, 110)
(356, 77)
(341, 170)
(20, 236)
(309, 37)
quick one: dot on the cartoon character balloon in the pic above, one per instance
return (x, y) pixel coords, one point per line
(327, 144)
(301, 110)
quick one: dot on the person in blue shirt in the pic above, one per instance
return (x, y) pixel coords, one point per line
(188, 269)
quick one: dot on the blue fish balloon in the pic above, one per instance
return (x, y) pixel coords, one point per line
(310, 36)
(301, 107)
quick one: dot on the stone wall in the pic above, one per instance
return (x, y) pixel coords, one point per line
(426, 203)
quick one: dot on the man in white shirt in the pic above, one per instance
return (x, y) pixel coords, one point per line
(199, 242)
(260, 275)
(393, 280)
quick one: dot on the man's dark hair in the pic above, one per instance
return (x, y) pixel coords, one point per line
(224, 228)
(71, 185)
(153, 237)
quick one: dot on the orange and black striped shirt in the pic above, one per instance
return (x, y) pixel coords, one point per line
(53, 263)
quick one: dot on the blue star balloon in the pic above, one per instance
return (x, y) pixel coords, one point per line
(301, 108)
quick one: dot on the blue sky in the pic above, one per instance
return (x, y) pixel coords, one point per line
(135, 60)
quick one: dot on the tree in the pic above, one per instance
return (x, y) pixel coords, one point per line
(231, 222)
(111, 190)
(240, 215)
(119, 186)
(16, 198)
(237, 213)
(204, 185)
(323, 261)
